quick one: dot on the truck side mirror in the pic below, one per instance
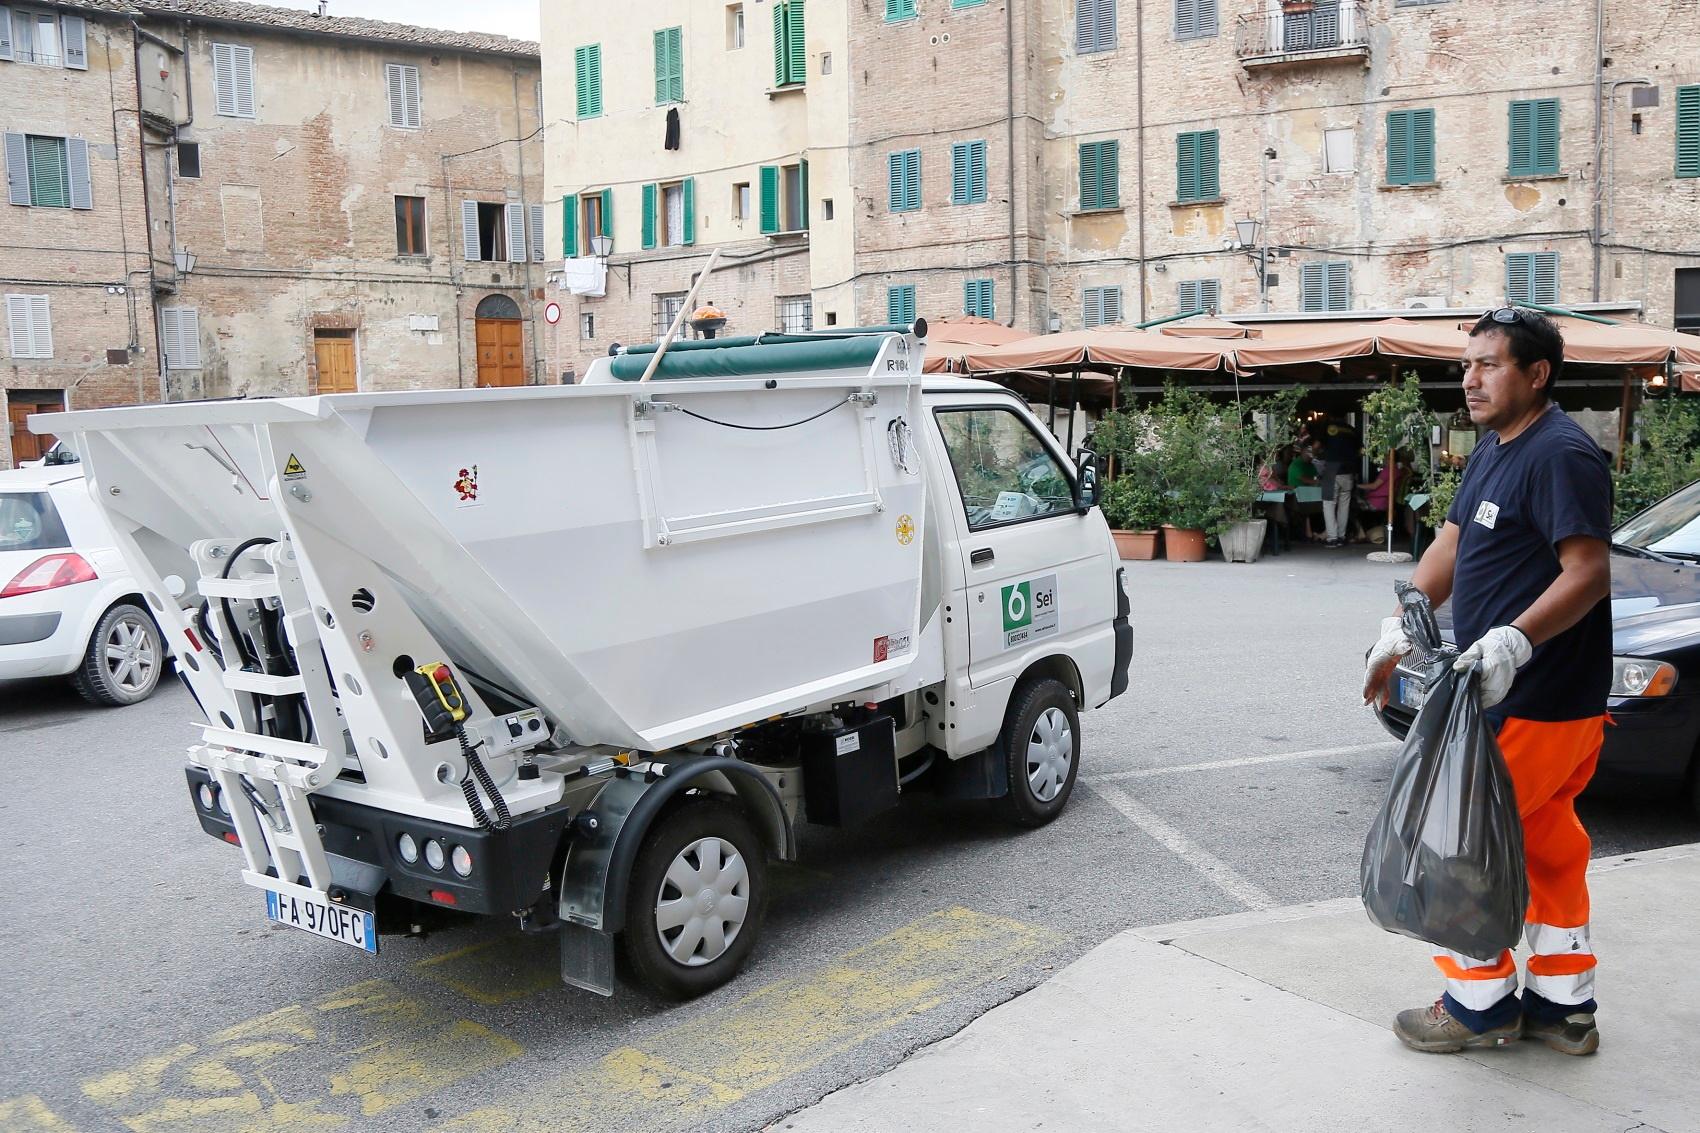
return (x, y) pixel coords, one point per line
(1086, 481)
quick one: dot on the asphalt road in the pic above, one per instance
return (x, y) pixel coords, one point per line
(145, 990)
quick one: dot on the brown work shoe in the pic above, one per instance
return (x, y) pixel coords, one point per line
(1574, 1034)
(1434, 1030)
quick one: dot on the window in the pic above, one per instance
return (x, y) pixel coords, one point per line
(900, 304)
(742, 202)
(903, 171)
(796, 313)
(966, 3)
(784, 198)
(968, 173)
(790, 55)
(734, 27)
(31, 328)
(832, 318)
(410, 226)
(826, 62)
(1337, 150)
(1531, 277)
(402, 84)
(496, 232)
(28, 520)
(180, 333)
(1195, 19)
(1534, 137)
(48, 172)
(1101, 306)
(1200, 295)
(899, 10)
(588, 213)
(1410, 147)
(189, 159)
(669, 66)
(979, 297)
(587, 79)
(1094, 26)
(1688, 300)
(667, 308)
(534, 233)
(1196, 166)
(1688, 131)
(669, 214)
(1100, 173)
(1325, 285)
(826, 208)
(46, 39)
(1006, 474)
(587, 326)
(233, 80)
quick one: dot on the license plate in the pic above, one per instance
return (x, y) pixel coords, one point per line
(1411, 693)
(334, 922)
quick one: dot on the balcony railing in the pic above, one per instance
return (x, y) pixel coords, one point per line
(1310, 29)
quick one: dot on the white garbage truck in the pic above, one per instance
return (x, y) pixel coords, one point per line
(585, 656)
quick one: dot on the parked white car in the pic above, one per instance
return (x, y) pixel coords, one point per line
(68, 605)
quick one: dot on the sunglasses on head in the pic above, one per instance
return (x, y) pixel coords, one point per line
(1507, 315)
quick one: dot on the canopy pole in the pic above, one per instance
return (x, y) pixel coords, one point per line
(1052, 398)
(1623, 422)
(1390, 469)
(1073, 409)
(685, 309)
(1110, 461)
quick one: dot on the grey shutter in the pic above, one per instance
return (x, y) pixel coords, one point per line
(242, 71)
(392, 90)
(40, 326)
(1312, 293)
(1210, 294)
(1339, 285)
(189, 338)
(18, 325)
(515, 217)
(74, 33)
(17, 169)
(233, 80)
(6, 34)
(77, 162)
(1112, 305)
(1105, 37)
(1186, 19)
(1083, 10)
(410, 95)
(1546, 277)
(170, 341)
(469, 229)
(1205, 13)
(537, 233)
(224, 88)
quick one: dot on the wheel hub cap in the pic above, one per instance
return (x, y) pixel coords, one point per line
(703, 901)
(1050, 752)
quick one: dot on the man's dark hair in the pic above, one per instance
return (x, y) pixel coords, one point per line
(1531, 336)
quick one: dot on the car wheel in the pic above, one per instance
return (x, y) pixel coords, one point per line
(1040, 747)
(124, 658)
(695, 901)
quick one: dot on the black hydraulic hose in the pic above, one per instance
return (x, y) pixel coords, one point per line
(224, 603)
(475, 768)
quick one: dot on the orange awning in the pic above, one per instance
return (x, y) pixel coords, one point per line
(1284, 344)
(1205, 326)
(948, 339)
(1105, 346)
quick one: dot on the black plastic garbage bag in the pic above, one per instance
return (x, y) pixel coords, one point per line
(1444, 859)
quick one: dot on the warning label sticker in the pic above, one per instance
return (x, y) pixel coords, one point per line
(293, 469)
(892, 645)
(1029, 611)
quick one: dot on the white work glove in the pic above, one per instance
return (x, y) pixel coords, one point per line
(1392, 646)
(1500, 652)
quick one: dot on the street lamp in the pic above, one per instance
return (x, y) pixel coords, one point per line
(185, 261)
(601, 246)
(1247, 232)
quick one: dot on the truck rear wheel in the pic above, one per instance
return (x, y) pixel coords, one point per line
(697, 895)
(1040, 746)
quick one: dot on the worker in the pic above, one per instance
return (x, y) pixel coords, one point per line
(1525, 558)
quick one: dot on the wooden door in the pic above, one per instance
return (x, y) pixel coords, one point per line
(335, 354)
(19, 405)
(501, 352)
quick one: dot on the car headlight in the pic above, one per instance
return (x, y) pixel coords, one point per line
(1637, 676)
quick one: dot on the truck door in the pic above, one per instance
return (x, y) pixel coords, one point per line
(1039, 580)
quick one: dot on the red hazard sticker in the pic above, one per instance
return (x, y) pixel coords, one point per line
(882, 648)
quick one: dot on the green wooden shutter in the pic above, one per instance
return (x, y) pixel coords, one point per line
(1186, 167)
(803, 192)
(1422, 145)
(1313, 291)
(1090, 176)
(781, 50)
(663, 67)
(587, 75)
(690, 192)
(895, 197)
(899, 9)
(1545, 277)
(912, 179)
(1518, 273)
(1546, 136)
(796, 45)
(569, 226)
(1399, 147)
(1534, 137)
(1098, 175)
(769, 198)
(1209, 183)
(649, 195)
(1688, 131)
(608, 212)
(50, 185)
(900, 304)
(1339, 284)
(959, 174)
(976, 172)
(1109, 174)
(979, 298)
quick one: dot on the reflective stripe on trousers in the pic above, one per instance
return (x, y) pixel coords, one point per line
(1550, 763)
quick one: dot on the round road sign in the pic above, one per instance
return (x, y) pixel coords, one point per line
(552, 314)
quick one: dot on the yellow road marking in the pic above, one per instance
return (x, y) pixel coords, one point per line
(29, 1114)
(493, 972)
(369, 1047)
(685, 1073)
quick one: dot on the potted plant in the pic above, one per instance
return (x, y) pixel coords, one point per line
(1134, 510)
(1396, 418)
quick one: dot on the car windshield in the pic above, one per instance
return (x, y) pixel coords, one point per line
(1670, 527)
(29, 522)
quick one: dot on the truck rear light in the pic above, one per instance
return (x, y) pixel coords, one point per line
(442, 896)
(204, 793)
(434, 855)
(49, 573)
(461, 859)
(408, 848)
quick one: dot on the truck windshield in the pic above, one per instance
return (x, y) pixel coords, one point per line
(1671, 527)
(29, 522)
(1005, 472)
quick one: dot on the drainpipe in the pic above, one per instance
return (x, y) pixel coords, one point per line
(1139, 125)
(525, 209)
(147, 208)
(1599, 132)
(454, 275)
(1606, 188)
(1009, 121)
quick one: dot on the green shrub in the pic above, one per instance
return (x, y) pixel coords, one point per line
(1666, 457)
(1133, 505)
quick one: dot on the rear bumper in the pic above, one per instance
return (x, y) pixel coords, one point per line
(511, 869)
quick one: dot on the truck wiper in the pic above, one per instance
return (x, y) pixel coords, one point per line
(1644, 553)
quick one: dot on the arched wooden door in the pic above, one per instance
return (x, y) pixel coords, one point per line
(501, 342)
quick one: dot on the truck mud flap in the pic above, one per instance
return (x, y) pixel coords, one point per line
(587, 958)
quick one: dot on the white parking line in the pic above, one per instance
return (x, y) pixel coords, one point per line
(1215, 870)
(1248, 761)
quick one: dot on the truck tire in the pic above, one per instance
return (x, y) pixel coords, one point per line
(124, 658)
(697, 895)
(1040, 747)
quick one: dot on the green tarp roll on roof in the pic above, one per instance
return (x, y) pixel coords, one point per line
(772, 354)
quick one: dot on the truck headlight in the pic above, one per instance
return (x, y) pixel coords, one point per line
(434, 855)
(1637, 676)
(408, 848)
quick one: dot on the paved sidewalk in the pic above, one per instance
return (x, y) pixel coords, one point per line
(1278, 1020)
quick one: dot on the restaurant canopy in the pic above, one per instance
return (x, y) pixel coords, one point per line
(949, 338)
(1104, 348)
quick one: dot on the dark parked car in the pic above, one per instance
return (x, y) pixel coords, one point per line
(1655, 603)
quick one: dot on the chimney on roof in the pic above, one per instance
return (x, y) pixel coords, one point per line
(324, 7)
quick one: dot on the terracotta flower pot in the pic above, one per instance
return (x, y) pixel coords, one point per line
(1183, 544)
(1140, 545)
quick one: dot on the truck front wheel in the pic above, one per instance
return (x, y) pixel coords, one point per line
(698, 893)
(1040, 746)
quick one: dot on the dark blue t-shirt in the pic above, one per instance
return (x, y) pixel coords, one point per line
(1518, 500)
